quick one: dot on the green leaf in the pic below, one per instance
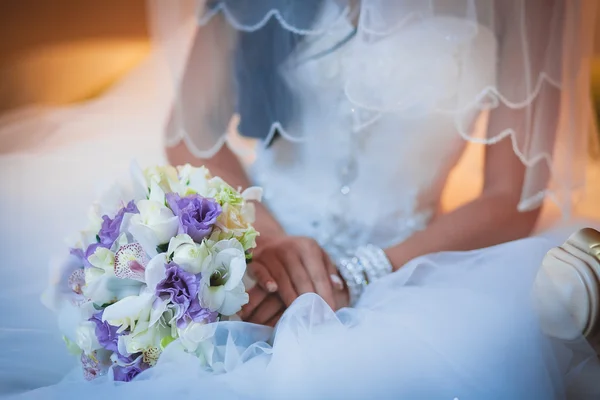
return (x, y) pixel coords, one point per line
(72, 347)
(166, 341)
(98, 238)
(101, 307)
(162, 248)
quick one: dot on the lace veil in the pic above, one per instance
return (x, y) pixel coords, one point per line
(227, 58)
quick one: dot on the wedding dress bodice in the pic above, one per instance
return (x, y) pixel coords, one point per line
(370, 176)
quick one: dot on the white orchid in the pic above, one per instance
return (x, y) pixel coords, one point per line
(153, 226)
(128, 311)
(189, 255)
(147, 339)
(101, 284)
(85, 337)
(222, 289)
(103, 259)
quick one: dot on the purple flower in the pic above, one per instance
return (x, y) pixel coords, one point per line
(178, 285)
(105, 333)
(180, 288)
(197, 214)
(79, 254)
(197, 313)
(90, 252)
(109, 232)
(82, 256)
(126, 373)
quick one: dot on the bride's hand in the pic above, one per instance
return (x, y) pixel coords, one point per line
(263, 308)
(292, 266)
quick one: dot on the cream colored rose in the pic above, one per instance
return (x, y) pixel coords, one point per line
(232, 220)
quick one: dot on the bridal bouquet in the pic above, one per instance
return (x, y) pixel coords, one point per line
(153, 267)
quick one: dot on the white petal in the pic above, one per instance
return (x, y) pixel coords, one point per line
(212, 297)
(228, 244)
(85, 337)
(237, 269)
(177, 241)
(196, 333)
(156, 193)
(155, 271)
(144, 235)
(253, 193)
(248, 213)
(127, 311)
(140, 185)
(234, 300)
(158, 309)
(165, 230)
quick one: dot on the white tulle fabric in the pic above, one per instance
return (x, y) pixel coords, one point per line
(456, 326)
(523, 62)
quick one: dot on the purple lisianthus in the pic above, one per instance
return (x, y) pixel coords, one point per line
(126, 373)
(179, 287)
(197, 215)
(111, 228)
(105, 333)
(197, 313)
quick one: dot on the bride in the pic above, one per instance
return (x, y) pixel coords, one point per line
(360, 110)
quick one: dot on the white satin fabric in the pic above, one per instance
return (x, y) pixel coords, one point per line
(446, 326)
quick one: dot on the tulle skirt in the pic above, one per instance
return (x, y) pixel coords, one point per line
(445, 326)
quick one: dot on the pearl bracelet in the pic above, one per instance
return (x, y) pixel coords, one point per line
(367, 265)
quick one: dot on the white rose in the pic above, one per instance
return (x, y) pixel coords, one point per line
(189, 255)
(162, 177)
(193, 180)
(194, 334)
(85, 337)
(222, 289)
(153, 226)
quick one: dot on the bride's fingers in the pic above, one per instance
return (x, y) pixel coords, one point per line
(318, 271)
(273, 321)
(263, 277)
(297, 273)
(266, 310)
(256, 297)
(286, 291)
(336, 281)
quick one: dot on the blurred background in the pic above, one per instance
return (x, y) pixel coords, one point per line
(63, 51)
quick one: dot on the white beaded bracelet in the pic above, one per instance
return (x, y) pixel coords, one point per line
(367, 265)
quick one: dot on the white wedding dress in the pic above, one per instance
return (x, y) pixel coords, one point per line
(445, 326)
